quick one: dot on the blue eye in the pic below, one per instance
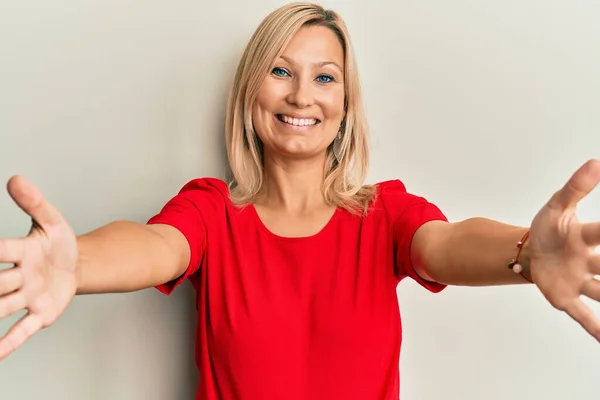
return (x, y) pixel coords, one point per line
(325, 79)
(279, 71)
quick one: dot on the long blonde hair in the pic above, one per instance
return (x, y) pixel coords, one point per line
(343, 185)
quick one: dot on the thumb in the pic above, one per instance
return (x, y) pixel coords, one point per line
(31, 200)
(579, 185)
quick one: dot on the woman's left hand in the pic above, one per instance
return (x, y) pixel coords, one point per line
(563, 262)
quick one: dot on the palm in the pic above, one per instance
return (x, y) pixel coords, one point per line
(563, 262)
(43, 279)
(49, 273)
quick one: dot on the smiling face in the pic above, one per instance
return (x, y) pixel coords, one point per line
(300, 105)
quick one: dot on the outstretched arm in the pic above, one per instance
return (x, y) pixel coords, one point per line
(559, 256)
(126, 256)
(473, 252)
(51, 264)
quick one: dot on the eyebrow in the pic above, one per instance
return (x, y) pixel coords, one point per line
(319, 64)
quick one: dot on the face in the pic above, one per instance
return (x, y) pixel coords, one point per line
(300, 105)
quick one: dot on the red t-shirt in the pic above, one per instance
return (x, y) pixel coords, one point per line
(297, 318)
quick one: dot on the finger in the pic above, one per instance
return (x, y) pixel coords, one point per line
(579, 185)
(12, 250)
(19, 333)
(584, 315)
(594, 264)
(591, 289)
(10, 280)
(12, 303)
(590, 233)
(32, 201)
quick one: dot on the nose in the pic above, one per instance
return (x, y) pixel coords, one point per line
(300, 93)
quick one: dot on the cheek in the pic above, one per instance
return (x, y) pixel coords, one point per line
(270, 93)
(259, 120)
(261, 110)
(261, 105)
(333, 104)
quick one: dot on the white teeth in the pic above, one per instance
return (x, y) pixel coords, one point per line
(298, 121)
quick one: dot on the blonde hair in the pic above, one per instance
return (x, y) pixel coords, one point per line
(343, 185)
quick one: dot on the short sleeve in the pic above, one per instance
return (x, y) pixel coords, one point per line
(187, 212)
(407, 213)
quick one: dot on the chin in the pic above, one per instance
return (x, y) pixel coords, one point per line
(297, 152)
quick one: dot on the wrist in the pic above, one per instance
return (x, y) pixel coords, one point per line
(524, 260)
(521, 263)
(79, 265)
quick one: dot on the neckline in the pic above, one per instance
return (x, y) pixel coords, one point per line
(316, 235)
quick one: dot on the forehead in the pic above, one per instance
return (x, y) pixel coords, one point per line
(315, 44)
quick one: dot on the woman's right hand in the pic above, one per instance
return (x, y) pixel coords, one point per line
(43, 279)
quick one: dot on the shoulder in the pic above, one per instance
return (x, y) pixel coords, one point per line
(395, 200)
(207, 184)
(204, 195)
(391, 194)
(393, 186)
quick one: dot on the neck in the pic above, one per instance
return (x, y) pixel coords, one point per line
(293, 185)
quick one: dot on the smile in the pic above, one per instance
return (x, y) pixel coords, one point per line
(300, 122)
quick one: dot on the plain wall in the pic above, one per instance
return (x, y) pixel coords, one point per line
(485, 108)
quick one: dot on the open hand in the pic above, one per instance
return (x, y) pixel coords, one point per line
(43, 280)
(564, 265)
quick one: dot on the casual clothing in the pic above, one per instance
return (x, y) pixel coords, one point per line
(306, 318)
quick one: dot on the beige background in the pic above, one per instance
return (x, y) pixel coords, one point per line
(484, 107)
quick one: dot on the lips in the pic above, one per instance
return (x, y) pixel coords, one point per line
(294, 121)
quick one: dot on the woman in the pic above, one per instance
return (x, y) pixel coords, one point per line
(296, 264)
